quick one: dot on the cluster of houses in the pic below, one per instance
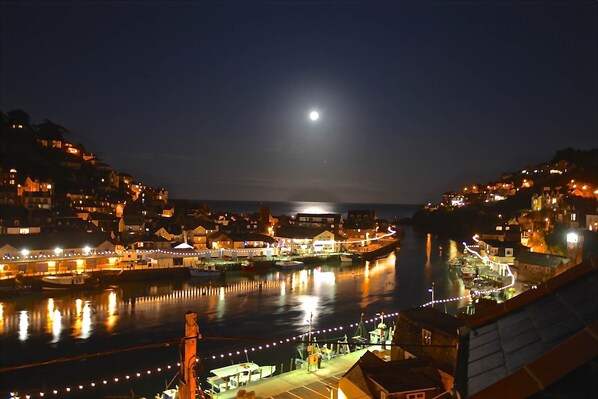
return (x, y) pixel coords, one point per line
(510, 185)
(26, 248)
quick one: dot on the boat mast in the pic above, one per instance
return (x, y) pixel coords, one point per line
(188, 382)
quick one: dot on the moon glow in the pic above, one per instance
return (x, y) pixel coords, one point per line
(314, 115)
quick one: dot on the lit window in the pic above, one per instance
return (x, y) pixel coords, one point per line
(426, 337)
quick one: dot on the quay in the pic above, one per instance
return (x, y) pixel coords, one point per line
(315, 384)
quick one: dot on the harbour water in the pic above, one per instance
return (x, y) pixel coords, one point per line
(243, 312)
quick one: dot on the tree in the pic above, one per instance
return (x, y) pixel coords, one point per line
(49, 130)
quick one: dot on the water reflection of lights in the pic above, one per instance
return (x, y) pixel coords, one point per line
(86, 322)
(112, 314)
(321, 277)
(1, 317)
(23, 325)
(50, 315)
(428, 249)
(56, 325)
(78, 306)
(453, 250)
(309, 305)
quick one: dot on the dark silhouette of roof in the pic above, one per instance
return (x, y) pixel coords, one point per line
(546, 260)
(522, 346)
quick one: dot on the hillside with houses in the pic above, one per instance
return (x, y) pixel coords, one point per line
(50, 185)
(540, 202)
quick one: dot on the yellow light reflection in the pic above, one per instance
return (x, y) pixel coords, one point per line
(323, 278)
(453, 250)
(50, 315)
(111, 319)
(23, 325)
(1, 318)
(78, 306)
(86, 322)
(428, 249)
(56, 325)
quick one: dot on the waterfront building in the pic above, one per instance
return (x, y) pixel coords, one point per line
(329, 221)
(56, 252)
(360, 225)
(428, 333)
(303, 240)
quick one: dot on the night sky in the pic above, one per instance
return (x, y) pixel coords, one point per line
(211, 100)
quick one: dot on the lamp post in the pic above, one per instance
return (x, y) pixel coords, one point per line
(431, 290)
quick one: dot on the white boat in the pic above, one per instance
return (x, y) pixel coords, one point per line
(73, 281)
(234, 376)
(289, 264)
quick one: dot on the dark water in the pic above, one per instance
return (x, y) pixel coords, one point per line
(40, 327)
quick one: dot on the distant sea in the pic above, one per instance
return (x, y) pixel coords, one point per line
(389, 212)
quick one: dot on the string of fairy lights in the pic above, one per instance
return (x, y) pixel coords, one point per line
(152, 372)
(59, 253)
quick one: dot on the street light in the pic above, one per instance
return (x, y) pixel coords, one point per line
(431, 290)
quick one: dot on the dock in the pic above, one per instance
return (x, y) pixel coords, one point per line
(319, 383)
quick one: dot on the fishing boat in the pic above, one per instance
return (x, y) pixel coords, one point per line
(468, 273)
(237, 375)
(248, 266)
(289, 264)
(75, 281)
(205, 271)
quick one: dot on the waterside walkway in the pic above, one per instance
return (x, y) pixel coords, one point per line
(316, 384)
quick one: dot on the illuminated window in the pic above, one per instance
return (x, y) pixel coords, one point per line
(416, 395)
(426, 337)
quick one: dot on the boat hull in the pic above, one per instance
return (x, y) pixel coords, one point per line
(289, 264)
(378, 253)
(62, 283)
(205, 273)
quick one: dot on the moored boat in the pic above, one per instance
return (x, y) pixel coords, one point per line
(234, 376)
(210, 271)
(248, 266)
(75, 281)
(346, 258)
(468, 273)
(289, 264)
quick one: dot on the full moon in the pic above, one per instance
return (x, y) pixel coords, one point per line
(314, 116)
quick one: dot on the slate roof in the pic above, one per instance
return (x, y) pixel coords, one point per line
(439, 321)
(394, 376)
(534, 339)
(546, 260)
